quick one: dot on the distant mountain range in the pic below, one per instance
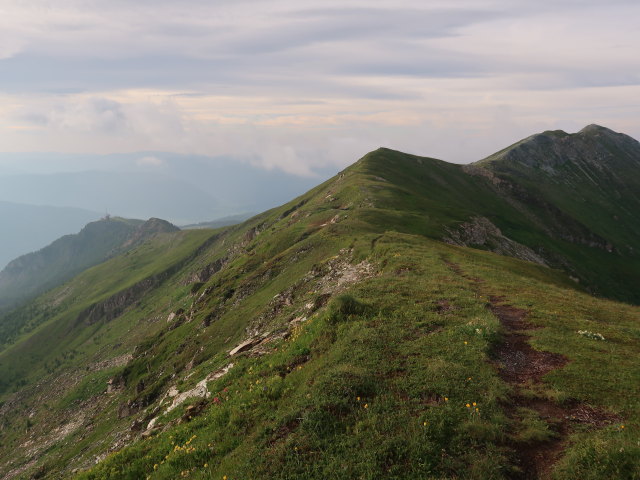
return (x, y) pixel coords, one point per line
(183, 189)
(134, 195)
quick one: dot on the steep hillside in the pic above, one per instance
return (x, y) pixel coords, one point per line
(333, 337)
(27, 228)
(593, 178)
(593, 175)
(36, 272)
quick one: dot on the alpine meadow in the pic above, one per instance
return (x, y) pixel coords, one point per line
(408, 318)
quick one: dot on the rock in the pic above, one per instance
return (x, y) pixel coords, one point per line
(137, 425)
(150, 432)
(194, 410)
(297, 320)
(115, 384)
(480, 232)
(173, 392)
(200, 390)
(152, 423)
(127, 409)
(244, 346)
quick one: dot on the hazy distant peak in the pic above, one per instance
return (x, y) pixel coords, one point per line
(97, 241)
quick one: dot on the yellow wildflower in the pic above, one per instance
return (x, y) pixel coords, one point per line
(468, 406)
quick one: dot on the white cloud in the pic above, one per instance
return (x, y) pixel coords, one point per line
(299, 86)
(150, 161)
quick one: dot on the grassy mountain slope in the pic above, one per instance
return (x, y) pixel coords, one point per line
(220, 222)
(472, 206)
(593, 177)
(589, 174)
(333, 337)
(36, 272)
(58, 321)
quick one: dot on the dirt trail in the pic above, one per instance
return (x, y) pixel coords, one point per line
(523, 367)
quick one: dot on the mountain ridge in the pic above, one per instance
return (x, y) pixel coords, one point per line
(338, 335)
(594, 242)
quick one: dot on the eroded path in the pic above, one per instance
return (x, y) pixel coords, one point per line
(522, 367)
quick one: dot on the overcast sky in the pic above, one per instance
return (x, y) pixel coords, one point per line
(305, 84)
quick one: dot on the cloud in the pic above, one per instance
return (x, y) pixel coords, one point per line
(300, 86)
(150, 161)
(91, 114)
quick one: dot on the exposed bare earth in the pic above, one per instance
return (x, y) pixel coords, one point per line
(520, 365)
(523, 367)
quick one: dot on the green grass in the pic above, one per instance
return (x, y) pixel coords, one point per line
(385, 387)
(51, 335)
(379, 378)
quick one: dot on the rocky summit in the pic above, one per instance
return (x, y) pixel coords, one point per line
(408, 318)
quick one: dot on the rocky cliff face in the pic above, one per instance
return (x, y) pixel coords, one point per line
(479, 232)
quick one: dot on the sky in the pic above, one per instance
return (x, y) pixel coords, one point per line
(307, 85)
